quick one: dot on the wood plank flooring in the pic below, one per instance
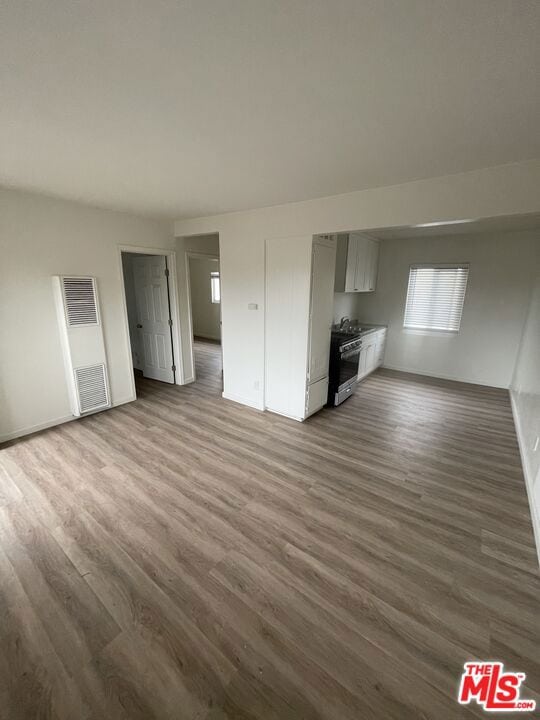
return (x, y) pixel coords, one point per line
(208, 364)
(186, 557)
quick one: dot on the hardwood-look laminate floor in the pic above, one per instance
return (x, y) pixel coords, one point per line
(186, 557)
(208, 365)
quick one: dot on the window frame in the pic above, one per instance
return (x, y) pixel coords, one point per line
(428, 329)
(215, 275)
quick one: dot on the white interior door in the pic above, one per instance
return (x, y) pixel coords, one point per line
(153, 315)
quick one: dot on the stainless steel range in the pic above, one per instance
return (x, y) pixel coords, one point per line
(345, 347)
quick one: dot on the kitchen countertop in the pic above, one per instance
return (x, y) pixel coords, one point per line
(368, 328)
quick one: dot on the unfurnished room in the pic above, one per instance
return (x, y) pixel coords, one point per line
(270, 367)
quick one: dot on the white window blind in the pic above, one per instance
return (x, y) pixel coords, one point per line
(215, 287)
(435, 297)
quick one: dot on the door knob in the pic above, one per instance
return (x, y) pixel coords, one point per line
(139, 326)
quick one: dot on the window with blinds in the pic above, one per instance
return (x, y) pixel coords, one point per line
(435, 297)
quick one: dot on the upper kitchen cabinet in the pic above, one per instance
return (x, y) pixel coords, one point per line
(357, 260)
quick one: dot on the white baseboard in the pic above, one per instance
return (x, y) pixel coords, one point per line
(21, 432)
(243, 401)
(535, 511)
(129, 399)
(290, 417)
(414, 371)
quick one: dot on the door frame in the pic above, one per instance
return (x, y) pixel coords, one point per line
(201, 256)
(174, 306)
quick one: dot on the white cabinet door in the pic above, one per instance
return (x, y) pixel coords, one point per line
(152, 295)
(372, 353)
(321, 310)
(365, 273)
(356, 265)
(370, 357)
(367, 357)
(372, 248)
(380, 346)
(316, 396)
(375, 264)
(361, 258)
(352, 262)
(362, 363)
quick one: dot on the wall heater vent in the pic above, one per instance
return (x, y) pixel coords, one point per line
(92, 388)
(81, 335)
(81, 301)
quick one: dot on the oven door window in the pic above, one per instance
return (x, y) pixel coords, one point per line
(348, 366)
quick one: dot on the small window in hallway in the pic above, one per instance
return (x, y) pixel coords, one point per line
(215, 287)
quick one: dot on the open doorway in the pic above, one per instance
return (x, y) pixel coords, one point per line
(149, 310)
(205, 302)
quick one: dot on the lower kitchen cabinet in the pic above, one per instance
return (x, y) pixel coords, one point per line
(316, 396)
(372, 353)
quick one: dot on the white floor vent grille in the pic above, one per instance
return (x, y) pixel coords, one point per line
(92, 388)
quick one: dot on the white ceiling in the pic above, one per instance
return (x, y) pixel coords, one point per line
(187, 108)
(501, 224)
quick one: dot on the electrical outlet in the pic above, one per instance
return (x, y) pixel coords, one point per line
(536, 443)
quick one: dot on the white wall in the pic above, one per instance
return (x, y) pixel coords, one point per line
(204, 244)
(345, 305)
(525, 393)
(500, 277)
(503, 190)
(205, 313)
(41, 237)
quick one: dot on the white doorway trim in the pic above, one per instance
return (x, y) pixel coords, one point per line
(202, 256)
(173, 296)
